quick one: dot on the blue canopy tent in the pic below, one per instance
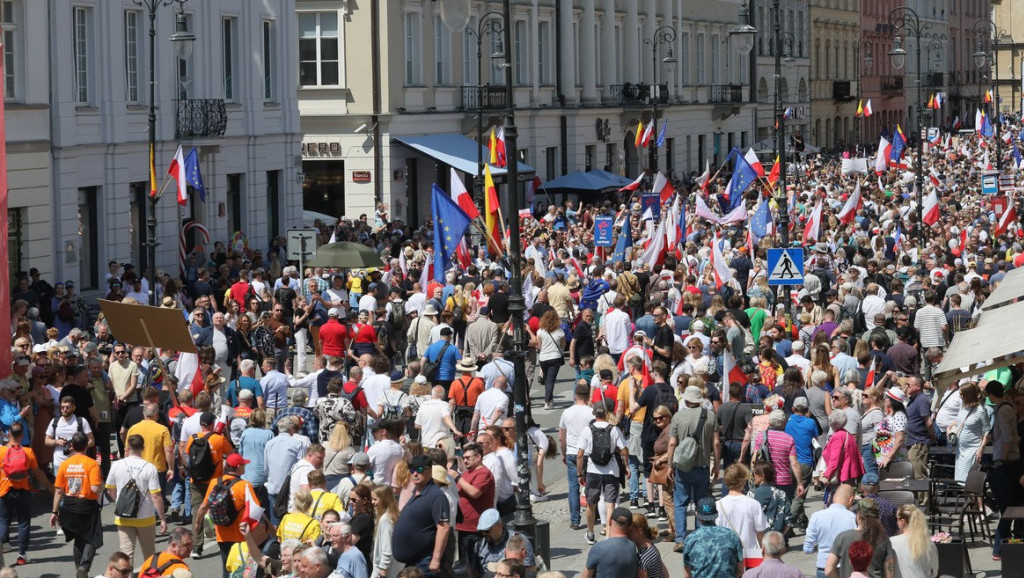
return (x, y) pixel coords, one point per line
(577, 184)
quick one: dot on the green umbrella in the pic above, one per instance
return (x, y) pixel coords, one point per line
(345, 255)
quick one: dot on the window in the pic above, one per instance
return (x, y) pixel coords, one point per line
(7, 35)
(273, 203)
(185, 86)
(522, 53)
(413, 49)
(234, 204)
(543, 48)
(319, 49)
(684, 59)
(81, 39)
(88, 237)
(269, 45)
(701, 65)
(131, 55)
(230, 59)
(619, 54)
(469, 60)
(716, 64)
(442, 53)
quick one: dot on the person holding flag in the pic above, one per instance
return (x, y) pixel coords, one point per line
(450, 224)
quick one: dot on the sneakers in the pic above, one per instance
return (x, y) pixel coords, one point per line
(81, 572)
(651, 511)
(662, 514)
(60, 531)
(22, 560)
(678, 547)
(576, 527)
(634, 504)
(197, 550)
(538, 497)
(590, 538)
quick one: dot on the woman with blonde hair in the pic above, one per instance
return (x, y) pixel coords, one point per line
(604, 361)
(401, 479)
(916, 554)
(386, 510)
(297, 523)
(337, 452)
(871, 414)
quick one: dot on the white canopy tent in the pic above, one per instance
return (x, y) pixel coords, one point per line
(997, 341)
(1009, 290)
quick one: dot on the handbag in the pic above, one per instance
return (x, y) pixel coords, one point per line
(954, 438)
(660, 474)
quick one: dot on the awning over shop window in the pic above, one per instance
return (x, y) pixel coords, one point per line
(458, 152)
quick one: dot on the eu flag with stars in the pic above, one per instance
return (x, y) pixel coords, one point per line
(986, 127)
(450, 224)
(899, 143)
(192, 174)
(743, 175)
(760, 221)
(625, 240)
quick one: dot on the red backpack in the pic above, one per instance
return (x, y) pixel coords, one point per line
(15, 464)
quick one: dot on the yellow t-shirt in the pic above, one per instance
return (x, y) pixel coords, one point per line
(323, 501)
(237, 556)
(626, 396)
(300, 526)
(157, 438)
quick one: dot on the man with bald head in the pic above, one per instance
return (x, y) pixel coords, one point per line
(826, 524)
(434, 420)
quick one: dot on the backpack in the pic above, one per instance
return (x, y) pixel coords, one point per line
(154, 571)
(222, 503)
(398, 315)
(392, 411)
(201, 465)
(763, 453)
(687, 453)
(129, 499)
(280, 507)
(383, 338)
(602, 451)
(430, 368)
(15, 465)
(667, 398)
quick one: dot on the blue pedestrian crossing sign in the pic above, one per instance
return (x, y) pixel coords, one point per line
(786, 266)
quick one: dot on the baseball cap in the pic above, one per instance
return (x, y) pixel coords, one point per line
(207, 419)
(622, 517)
(245, 394)
(421, 462)
(606, 374)
(801, 403)
(867, 506)
(707, 511)
(488, 519)
(420, 379)
(333, 312)
(698, 325)
(869, 479)
(359, 459)
(235, 460)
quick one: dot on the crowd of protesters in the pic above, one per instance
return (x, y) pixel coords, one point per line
(360, 422)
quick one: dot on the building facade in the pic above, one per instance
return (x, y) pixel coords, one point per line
(796, 63)
(838, 64)
(1009, 75)
(582, 74)
(77, 138)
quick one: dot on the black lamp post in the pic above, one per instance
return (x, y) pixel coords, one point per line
(905, 20)
(982, 59)
(183, 41)
(869, 59)
(663, 35)
(490, 23)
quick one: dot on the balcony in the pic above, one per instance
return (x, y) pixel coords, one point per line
(201, 117)
(891, 84)
(726, 93)
(841, 91)
(935, 79)
(484, 98)
(639, 94)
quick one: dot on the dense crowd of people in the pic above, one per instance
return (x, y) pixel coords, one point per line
(359, 423)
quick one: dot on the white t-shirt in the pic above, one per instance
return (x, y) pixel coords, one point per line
(616, 330)
(190, 426)
(64, 430)
(744, 516)
(948, 409)
(487, 402)
(586, 443)
(384, 455)
(502, 475)
(574, 420)
(430, 419)
(374, 387)
(146, 478)
(368, 303)
(300, 476)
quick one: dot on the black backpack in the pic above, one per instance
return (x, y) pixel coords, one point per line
(398, 315)
(223, 510)
(430, 368)
(201, 465)
(155, 571)
(602, 451)
(129, 499)
(666, 397)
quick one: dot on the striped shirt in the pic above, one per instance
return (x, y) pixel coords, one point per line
(930, 322)
(781, 447)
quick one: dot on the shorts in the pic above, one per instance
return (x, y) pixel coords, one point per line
(602, 485)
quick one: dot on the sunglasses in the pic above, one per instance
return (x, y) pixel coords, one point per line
(419, 470)
(660, 417)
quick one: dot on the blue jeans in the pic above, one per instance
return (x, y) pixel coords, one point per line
(730, 455)
(636, 489)
(16, 503)
(271, 498)
(574, 490)
(180, 494)
(691, 486)
(424, 566)
(867, 453)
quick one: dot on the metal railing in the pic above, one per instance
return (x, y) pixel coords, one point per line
(484, 97)
(201, 117)
(726, 93)
(891, 83)
(639, 94)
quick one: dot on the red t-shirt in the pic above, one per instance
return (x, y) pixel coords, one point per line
(364, 333)
(174, 411)
(482, 479)
(334, 337)
(238, 292)
(611, 393)
(359, 402)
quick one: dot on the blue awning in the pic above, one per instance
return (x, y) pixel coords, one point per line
(591, 181)
(456, 151)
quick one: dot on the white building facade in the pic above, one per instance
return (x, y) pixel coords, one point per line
(78, 137)
(582, 74)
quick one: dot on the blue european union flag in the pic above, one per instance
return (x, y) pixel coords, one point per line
(192, 174)
(898, 145)
(986, 127)
(743, 175)
(661, 135)
(1016, 156)
(759, 222)
(625, 240)
(450, 224)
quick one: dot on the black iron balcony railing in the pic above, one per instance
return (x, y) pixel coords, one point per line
(726, 93)
(484, 98)
(891, 84)
(639, 94)
(201, 117)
